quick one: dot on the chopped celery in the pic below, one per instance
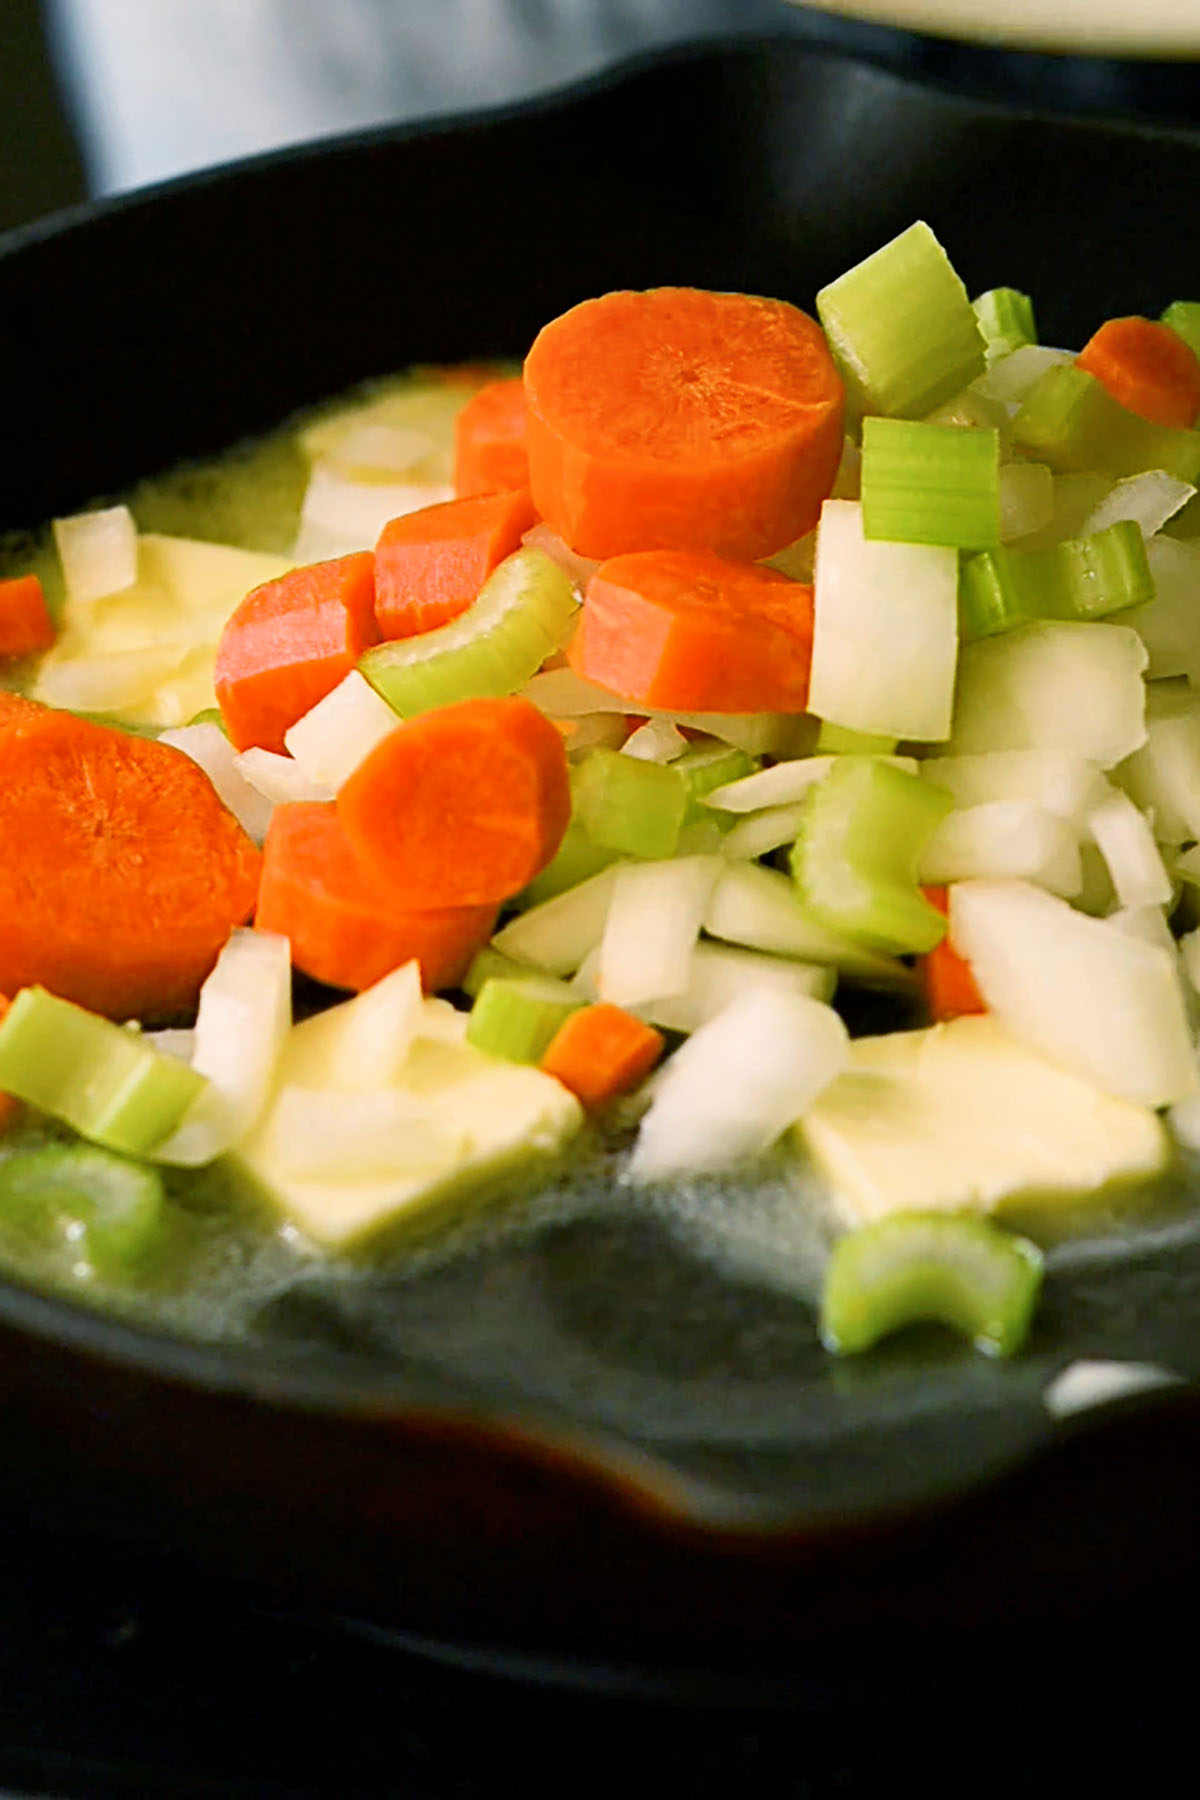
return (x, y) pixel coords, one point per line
(949, 1268)
(855, 860)
(577, 858)
(1183, 316)
(515, 1017)
(707, 767)
(523, 612)
(840, 740)
(759, 909)
(102, 1079)
(628, 805)
(112, 1208)
(1081, 578)
(1006, 320)
(490, 964)
(902, 328)
(930, 484)
(1071, 421)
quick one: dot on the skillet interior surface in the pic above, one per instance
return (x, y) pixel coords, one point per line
(661, 1372)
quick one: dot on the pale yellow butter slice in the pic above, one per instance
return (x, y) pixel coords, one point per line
(962, 1116)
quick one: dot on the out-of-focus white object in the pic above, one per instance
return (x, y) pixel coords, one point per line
(1092, 27)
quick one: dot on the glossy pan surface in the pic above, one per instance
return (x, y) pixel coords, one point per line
(616, 1434)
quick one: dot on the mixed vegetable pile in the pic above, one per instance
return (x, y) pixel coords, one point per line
(742, 659)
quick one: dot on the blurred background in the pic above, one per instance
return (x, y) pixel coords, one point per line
(97, 96)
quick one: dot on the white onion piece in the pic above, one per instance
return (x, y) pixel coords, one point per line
(758, 909)
(658, 741)
(1126, 842)
(1026, 495)
(111, 681)
(738, 1082)
(278, 778)
(561, 694)
(339, 732)
(207, 746)
(1149, 500)
(98, 552)
(653, 922)
(1095, 1381)
(1066, 785)
(597, 731)
(885, 630)
(720, 974)
(1011, 377)
(1005, 838)
(1053, 686)
(784, 784)
(557, 934)
(1169, 625)
(340, 515)
(758, 833)
(244, 1016)
(1103, 1004)
(379, 1027)
(1163, 776)
(368, 448)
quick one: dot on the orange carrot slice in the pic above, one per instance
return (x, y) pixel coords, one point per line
(1147, 367)
(430, 565)
(949, 986)
(489, 440)
(121, 873)
(289, 643)
(25, 622)
(602, 1051)
(344, 926)
(683, 420)
(685, 629)
(463, 805)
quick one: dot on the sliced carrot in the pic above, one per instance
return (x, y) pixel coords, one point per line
(1147, 367)
(121, 873)
(489, 440)
(949, 986)
(430, 565)
(678, 419)
(289, 643)
(602, 1051)
(343, 925)
(685, 629)
(25, 622)
(462, 806)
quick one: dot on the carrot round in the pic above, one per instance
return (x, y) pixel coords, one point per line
(1147, 367)
(601, 1051)
(25, 622)
(684, 420)
(289, 643)
(489, 440)
(430, 565)
(463, 805)
(343, 925)
(688, 630)
(121, 873)
(949, 986)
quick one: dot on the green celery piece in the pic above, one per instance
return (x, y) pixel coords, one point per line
(1080, 578)
(1183, 316)
(901, 328)
(576, 859)
(114, 1207)
(102, 1079)
(629, 806)
(863, 830)
(489, 964)
(1006, 320)
(515, 1017)
(931, 484)
(1071, 421)
(840, 740)
(210, 715)
(950, 1268)
(705, 768)
(524, 611)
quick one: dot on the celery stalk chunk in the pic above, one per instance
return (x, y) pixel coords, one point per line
(1070, 420)
(523, 612)
(901, 328)
(856, 857)
(1183, 316)
(707, 767)
(839, 740)
(1081, 578)
(576, 859)
(624, 804)
(106, 1082)
(516, 1017)
(948, 1268)
(113, 1209)
(1006, 320)
(931, 484)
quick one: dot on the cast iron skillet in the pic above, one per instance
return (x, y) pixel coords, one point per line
(595, 1444)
